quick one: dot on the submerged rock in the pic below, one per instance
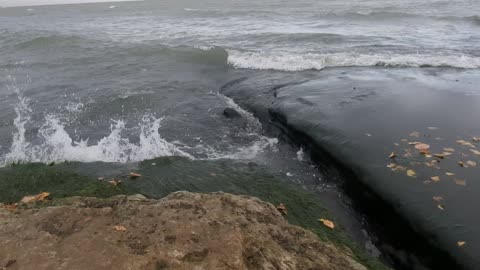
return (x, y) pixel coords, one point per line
(231, 113)
(181, 231)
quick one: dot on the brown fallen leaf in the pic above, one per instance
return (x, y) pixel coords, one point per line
(438, 198)
(461, 164)
(392, 155)
(476, 152)
(282, 209)
(422, 146)
(465, 143)
(461, 243)
(471, 163)
(411, 173)
(327, 223)
(27, 199)
(42, 196)
(432, 163)
(134, 175)
(10, 207)
(414, 134)
(449, 149)
(119, 228)
(476, 139)
(441, 207)
(460, 182)
(435, 178)
(35, 198)
(115, 182)
(392, 165)
(449, 174)
(426, 153)
(442, 155)
(414, 143)
(399, 169)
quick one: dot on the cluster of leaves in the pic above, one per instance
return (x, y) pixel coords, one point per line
(417, 154)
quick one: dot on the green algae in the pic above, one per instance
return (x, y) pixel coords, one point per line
(162, 176)
(28, 179)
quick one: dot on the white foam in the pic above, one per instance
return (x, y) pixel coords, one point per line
(246, 152)
(57, 144)
(298, 62)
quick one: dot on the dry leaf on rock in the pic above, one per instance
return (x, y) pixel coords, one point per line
(441, 207)
(27, 199)
(10, 207)
(411, 173)
(399, 169)
(119, 228)
(36, 198)
(461, 243)
(465, 143)
(392, 155)
(438, 198)
(134, 175)
(471, 163)
(282, 209)
(115, 182)
(432, 128)
(327, 223)
(42, 196)
(461, 164)
(448, 149)
(435, 178)
(422, 146)
(460, 182)
(414, 134)
(476, 152)
(476, 139)
(414, 143)
(432, 163)
(449, 174)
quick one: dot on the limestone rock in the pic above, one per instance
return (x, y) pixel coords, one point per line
(181, 231)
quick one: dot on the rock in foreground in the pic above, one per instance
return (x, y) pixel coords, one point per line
(181, 231)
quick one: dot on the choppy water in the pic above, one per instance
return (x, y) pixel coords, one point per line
(129, 81)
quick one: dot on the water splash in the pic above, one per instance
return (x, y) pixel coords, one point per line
(52, 142)
(57, 145)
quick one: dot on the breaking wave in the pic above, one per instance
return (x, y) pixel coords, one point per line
(57, 145)
(309, 61)
(52, 142)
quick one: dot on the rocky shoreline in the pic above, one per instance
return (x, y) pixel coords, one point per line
(181, 231)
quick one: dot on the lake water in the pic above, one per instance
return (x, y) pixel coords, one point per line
(124, 82)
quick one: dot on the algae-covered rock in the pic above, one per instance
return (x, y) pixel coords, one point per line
(181, 231)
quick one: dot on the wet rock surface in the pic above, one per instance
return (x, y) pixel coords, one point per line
(181, 231)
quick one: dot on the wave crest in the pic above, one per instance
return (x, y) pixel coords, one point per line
(309, 61)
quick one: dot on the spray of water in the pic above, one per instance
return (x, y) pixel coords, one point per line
(52, 142)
